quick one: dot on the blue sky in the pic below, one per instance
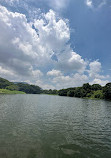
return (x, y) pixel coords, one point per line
(55, 44)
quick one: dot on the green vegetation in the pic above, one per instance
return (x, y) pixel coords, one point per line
(96, 95)
(29, 89)
(6, 91)
(4, 83)
(50, 91)
(18, 87)
(107, 91)
(94, 91)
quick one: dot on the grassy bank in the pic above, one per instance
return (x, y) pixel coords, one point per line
(5, 91)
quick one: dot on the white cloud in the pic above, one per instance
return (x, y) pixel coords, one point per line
(66, 81)
(58, 4)
(95, 74)
(27, 48)
(95, 68)
(53, 33)
(54, 73)
(95, 5)
(36, 76)
(89, 3)
(60, 80)
(45, 85)
(30, 49)
(71, 61)
(5, 72)
(99, 81)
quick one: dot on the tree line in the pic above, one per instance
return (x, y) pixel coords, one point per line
(86, 91)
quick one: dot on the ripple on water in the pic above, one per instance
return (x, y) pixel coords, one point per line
(41, 126)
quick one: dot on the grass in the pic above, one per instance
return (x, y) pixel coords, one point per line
(6, 91)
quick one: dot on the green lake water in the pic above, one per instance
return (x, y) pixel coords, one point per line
(45, 126)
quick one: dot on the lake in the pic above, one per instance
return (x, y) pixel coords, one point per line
(45, 126)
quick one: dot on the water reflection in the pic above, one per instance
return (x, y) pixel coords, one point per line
(42, 126)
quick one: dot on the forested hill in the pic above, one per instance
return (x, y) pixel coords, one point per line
(24, 87)
(86, 91)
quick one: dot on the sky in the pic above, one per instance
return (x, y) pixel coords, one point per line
(55, 44)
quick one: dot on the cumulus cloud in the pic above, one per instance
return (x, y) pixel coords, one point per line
(99, 81)
(71, 62)
(54, 73)
(12, 76)
(54, 33)
(95, 73)
(6, 72)
(30, 49)
(65, 81)
(60, 80)
(95, 68)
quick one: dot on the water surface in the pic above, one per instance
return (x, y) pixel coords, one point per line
(44, 126)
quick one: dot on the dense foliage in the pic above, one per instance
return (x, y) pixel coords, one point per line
(31, 89)
(50, 91)
(4, 83)
(88, 91)
(107, 91)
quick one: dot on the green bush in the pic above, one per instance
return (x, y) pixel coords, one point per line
(107, 91)
(71, 93)
(96, 87)
(12, 87)
(98, 94)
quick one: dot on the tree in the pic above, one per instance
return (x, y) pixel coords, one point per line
(80, 92)
(107, 91)
(4, 83)
(63, 92)
(30, 89)
(71, 93)
(98, 94)
(87, 87)
(12, 87)
(96, 87)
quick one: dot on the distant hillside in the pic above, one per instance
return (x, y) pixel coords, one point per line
(4, 83)
(19, 86)
(20, 82)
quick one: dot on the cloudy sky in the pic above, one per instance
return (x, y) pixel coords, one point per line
(55, 43)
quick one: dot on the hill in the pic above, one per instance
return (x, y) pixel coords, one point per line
(19, 86)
